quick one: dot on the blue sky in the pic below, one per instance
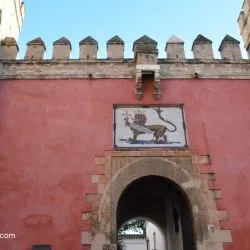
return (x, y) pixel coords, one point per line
(130, 19)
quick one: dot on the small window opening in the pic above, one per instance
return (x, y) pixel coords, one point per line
(148, 75)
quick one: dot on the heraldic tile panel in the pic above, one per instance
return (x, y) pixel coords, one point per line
(149, 126)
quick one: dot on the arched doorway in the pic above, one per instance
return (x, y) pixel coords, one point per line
(170, 180)
(162, 201)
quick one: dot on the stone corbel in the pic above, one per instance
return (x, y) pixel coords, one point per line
(138, 85)
(157, 85)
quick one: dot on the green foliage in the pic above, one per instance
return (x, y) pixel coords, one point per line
(134, 225)
(120, 245)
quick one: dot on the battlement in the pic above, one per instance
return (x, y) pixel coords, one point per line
(88, 48)
(145, 60)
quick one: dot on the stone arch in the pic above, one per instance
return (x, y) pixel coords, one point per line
(181, 168)
(140, 168)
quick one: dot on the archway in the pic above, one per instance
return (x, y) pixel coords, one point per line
(172, 180)
(165, 203)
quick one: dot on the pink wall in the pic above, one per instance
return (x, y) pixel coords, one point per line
(50, 132)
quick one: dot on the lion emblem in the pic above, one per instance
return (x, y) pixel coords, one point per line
(139, 126)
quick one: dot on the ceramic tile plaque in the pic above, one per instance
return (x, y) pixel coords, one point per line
(149, 126)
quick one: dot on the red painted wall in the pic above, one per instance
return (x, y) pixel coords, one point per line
(50, 132)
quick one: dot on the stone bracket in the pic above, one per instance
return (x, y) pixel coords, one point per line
(139, 84)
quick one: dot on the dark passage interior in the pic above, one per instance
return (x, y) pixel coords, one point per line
(163, 202)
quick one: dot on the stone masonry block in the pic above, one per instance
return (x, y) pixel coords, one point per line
(220, 204)
(213, 246)
(95, 179)
(91, 198)
(86, 238)
(86, 215)
(98, 170)
(86, 247)
(87, 208)
(225, 224)
(86, 225)
(204, 159)
(101, 188)
(217, 194)
(92, 188)
(206, 169)
(221, 236)
(222, 215)
(102, 179)
(211, 176)
(99, 160)
(212, 185)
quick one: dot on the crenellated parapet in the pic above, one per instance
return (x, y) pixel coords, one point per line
(145, 49)
(144, 67)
